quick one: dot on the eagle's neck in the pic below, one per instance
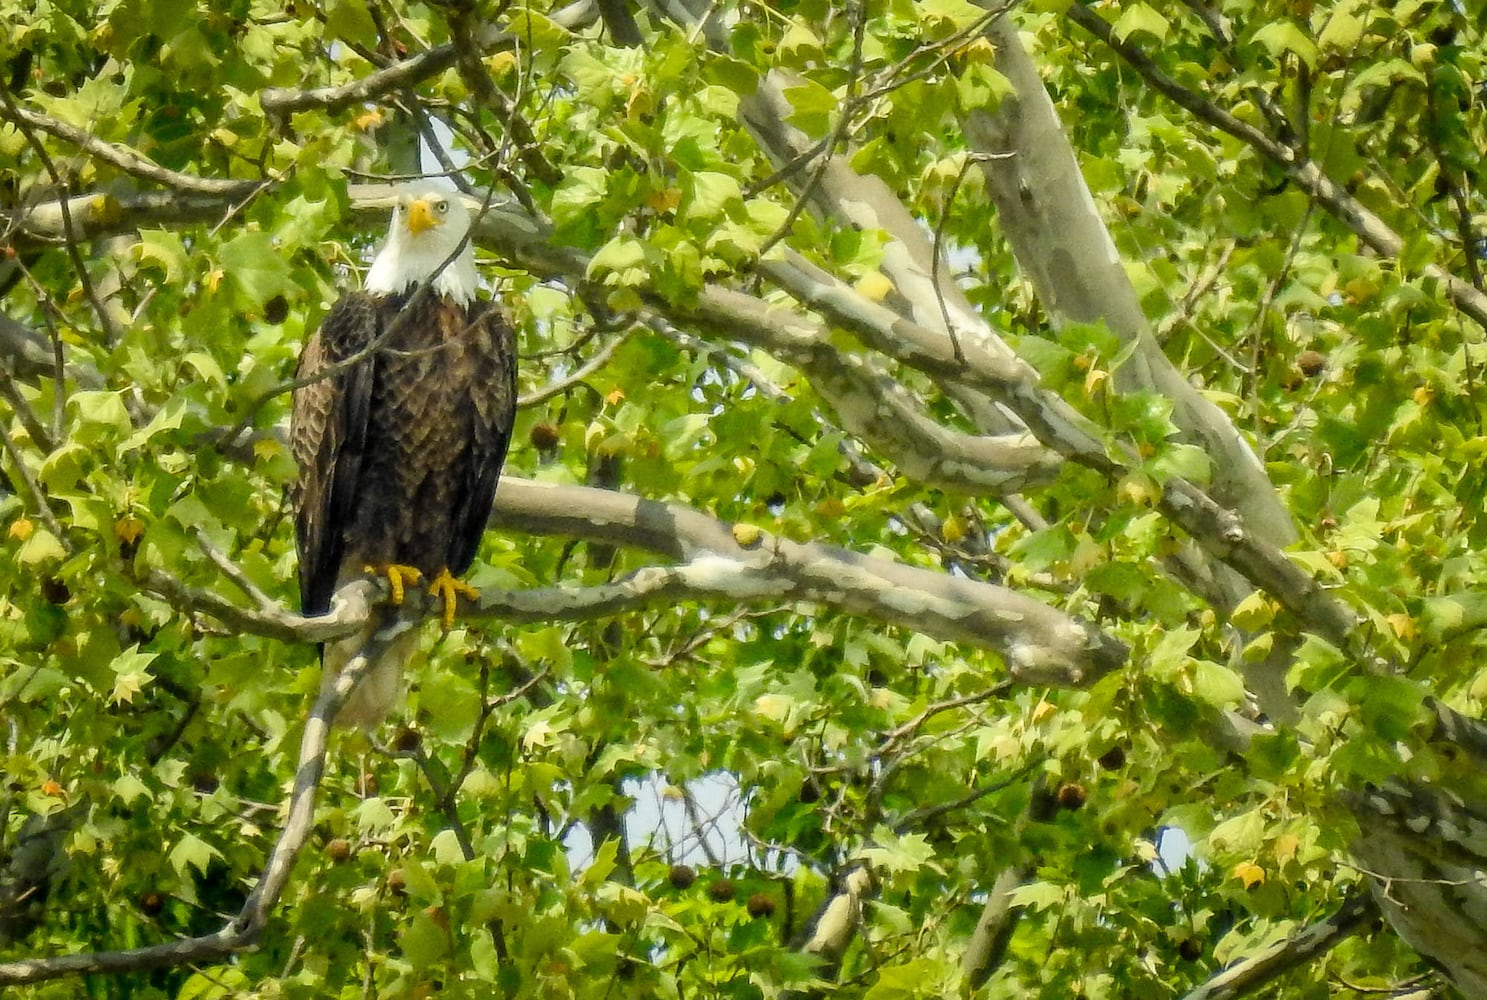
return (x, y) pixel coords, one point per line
(402, 265)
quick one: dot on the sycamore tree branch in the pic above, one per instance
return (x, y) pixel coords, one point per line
(1039, 644)
(103, 214)
(278, 102)
(1246, 976)
(1046, 211)
(125, 158)
(1304, 171)
(244, 930)
(999, 916)
(508, 230)
(1218, 531)
(923, 292)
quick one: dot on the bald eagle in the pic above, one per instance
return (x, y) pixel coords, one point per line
(400, 424)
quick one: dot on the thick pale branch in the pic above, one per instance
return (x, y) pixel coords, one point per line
(280, 101)
(994, 927)
(922, 293)
(1218, 531)
(1045, 210)
(96, 215)
(511, 232)
(1244, 977)
(1038, 643)
(28, 354)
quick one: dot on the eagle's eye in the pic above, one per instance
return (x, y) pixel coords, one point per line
(442, 207)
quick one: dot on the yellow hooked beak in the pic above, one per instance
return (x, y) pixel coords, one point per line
(421, 216)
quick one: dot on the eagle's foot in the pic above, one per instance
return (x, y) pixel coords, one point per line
(398, 578)
(447, 588)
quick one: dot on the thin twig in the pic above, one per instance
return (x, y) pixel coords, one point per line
(601, 358)
(23, 121)
(38, 499)
(247, 927)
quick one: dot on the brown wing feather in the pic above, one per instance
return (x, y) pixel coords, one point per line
(491, 383)
(328, 432)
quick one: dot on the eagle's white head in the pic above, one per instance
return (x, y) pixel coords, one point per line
(427, 224)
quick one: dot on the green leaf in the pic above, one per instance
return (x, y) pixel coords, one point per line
(942, 18)
(256, 270)
(813, 107)
(100, 411)
(908, 981)
(24, 684)
(192, 852)
(1217, 685)
(350, 20)
(1281, 36)
(1184, 461)
(710, 194)
(423, 942)
(165, 248)
(449, 708)
(1341, 32)
(167, 418)
(894, 854)
(1039, 895)
(1140, 18)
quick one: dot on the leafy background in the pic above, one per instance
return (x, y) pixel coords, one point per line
(149, 745)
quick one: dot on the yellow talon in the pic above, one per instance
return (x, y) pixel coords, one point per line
(398, 577)
(446, 587)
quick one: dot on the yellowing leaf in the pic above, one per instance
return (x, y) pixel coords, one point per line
(1285, 847)
(21, 528)
(977, 51)
(368, 120)
(1249, 873)
(874, 286)
(538, 734)
(128, 528)
(501, 63)
(954, 529)
(1138, 489)
(1254, 612)
(1403, 626)
(774, 706)
(664, 201)
(747, 535)
(127, 686)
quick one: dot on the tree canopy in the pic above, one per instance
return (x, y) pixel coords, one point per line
(1021, 458)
